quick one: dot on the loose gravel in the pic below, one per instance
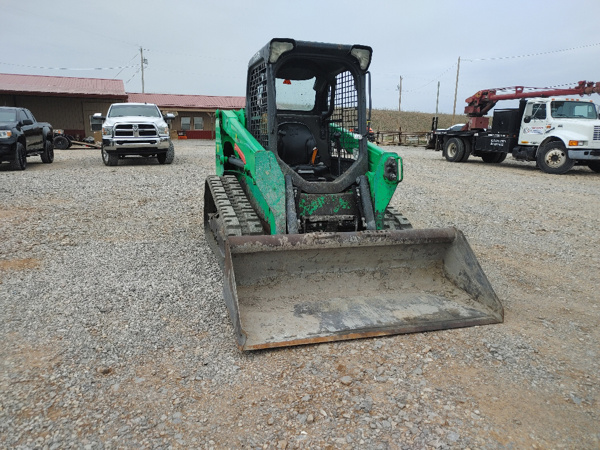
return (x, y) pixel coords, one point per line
(114, 333)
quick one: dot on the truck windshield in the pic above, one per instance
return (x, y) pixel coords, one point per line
(296, 95)
(134, 110)
(8, 115)
(573, 110)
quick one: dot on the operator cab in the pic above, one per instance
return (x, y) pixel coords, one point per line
(306, 102)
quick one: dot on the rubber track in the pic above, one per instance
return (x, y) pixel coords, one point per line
(237, 214)
(394, 220)
(240, 219)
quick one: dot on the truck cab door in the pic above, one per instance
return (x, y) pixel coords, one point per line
(533, 124)
(30, 131)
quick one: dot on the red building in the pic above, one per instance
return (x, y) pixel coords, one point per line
(68, 103)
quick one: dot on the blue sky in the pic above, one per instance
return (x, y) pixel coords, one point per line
(203, 47)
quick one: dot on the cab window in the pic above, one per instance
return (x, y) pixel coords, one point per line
(539, 111)
(296, 95)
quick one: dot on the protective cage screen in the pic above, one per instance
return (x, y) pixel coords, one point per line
(258, 105)
(345, 112)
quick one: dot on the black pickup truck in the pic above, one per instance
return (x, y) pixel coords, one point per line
(22, 136)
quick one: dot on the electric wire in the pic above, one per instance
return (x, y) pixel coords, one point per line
(498, 58)
(134, 56)
(67, 68)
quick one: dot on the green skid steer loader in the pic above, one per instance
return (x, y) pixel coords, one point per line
(298, 214)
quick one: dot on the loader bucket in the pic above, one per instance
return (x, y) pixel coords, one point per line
(293, 289)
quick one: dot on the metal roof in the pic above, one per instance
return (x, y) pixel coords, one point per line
(66, 86)
(189, 101)
(111, 89)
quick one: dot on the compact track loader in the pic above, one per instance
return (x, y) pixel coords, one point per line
(298, 214)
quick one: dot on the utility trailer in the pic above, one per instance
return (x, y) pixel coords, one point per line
(550, 127)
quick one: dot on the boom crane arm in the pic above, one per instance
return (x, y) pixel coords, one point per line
(480, 103)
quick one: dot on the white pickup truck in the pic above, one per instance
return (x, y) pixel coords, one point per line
(135, 129)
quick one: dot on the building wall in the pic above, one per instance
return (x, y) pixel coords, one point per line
(197, 129)
(71, 114)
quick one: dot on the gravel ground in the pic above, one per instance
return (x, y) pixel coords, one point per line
(114, 333)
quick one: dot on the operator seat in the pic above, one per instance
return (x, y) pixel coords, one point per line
(295, 146)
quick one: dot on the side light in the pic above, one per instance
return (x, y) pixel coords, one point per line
(390, 169)
(576, 143)
(278, 48)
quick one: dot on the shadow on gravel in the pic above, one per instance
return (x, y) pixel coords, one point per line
(31, 165)
(139, 161)
(525, 167)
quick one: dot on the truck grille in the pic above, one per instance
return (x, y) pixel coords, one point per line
(597, 133)
(135, 130)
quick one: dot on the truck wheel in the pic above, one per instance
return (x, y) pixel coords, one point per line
(553, 158)
(493, 158)
(109, 159)
(20, 161)
(595, 166)
(61, 143)
(167, 158)
(48, 153)
(454, 150)
(467, 145)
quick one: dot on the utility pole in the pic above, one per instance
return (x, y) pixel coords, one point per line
(142, 61)
(437, 100)
(400, 95)
(456, 90)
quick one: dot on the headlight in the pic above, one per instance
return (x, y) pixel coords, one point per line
(5, 134)
(163, 130)
(362, 55)
(278, 48)
(107, 131)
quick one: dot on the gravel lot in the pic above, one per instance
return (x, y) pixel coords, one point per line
(114, 333)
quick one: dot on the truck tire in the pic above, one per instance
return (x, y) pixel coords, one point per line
(553, 158)
(467, 145)
(454, 150)
(20, 161)
(595, 166)
(48, 153)
(493, 158)
(61, 143)
(109, 159)
(167, 158)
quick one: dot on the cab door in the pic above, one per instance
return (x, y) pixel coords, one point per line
(30, 129)
(533, 125)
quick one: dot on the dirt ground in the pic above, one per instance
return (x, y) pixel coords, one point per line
(95, 360)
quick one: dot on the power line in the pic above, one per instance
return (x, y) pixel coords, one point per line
(433, 80)
(134, 56)
(497, 59)
(533, 54)
(66, 68)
